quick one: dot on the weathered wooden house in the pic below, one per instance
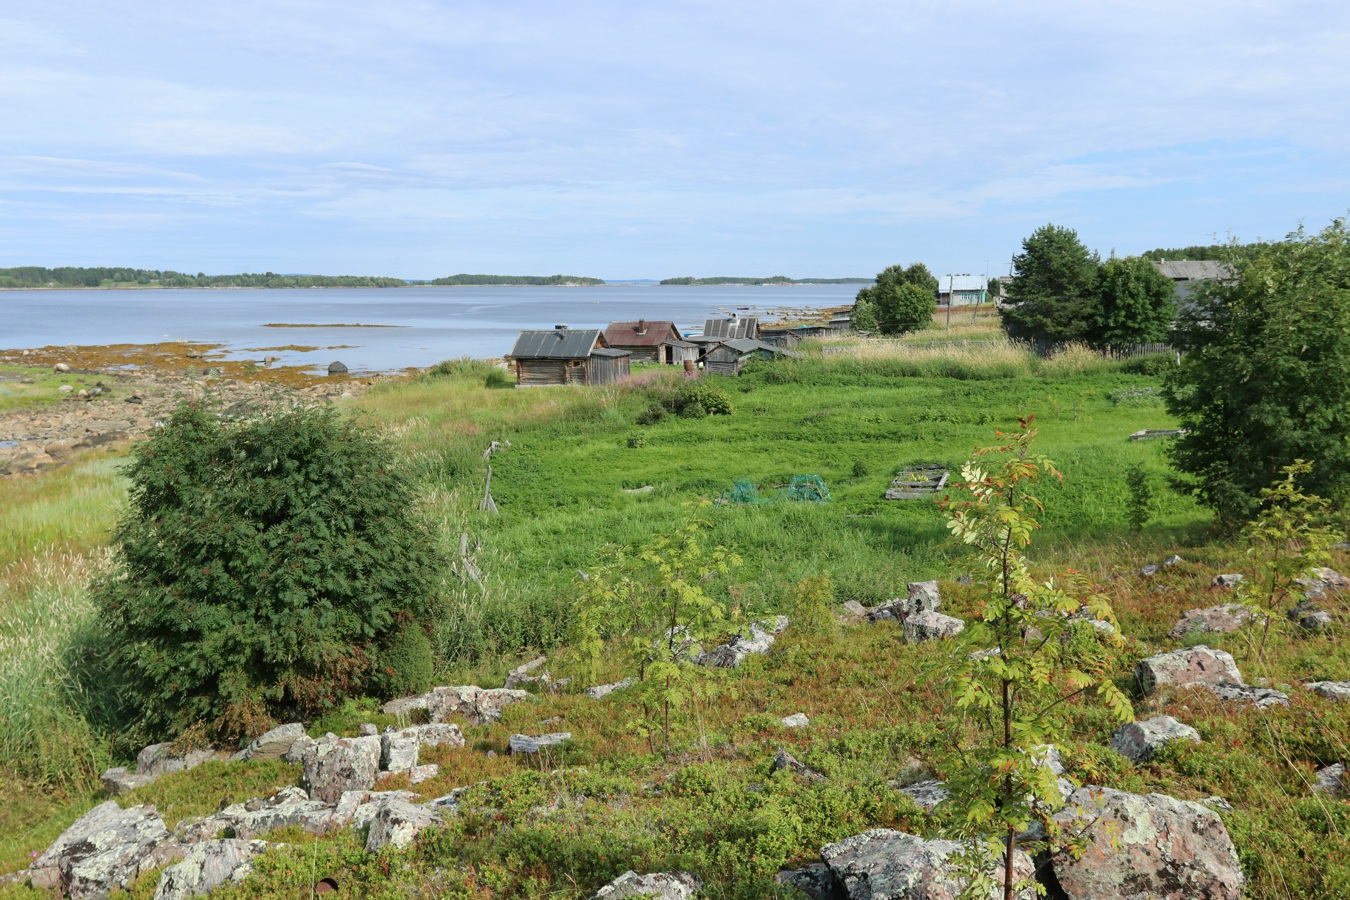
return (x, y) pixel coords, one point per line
(566, 356)
(659, 342)
(730, 357)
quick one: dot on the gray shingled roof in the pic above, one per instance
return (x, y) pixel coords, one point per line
(739, 327)
(606, 351)
(748, 345)
(555, 344)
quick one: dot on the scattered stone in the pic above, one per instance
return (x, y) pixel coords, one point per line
(1309, 616)
(645, 489)
(1187, 667)
(61, 367)
(275, 744)
(924, 596)
(1223, 619)
(399, 749)
(106, 848)
(796, 720)
(1148, 571)
(927, 794)
(357, 809)
(658, 886)
(158, 759)
(337, 368)
(1227, 581)
(786, 761)
(397, 824)
(1138, 741)
(450, 802)
(1260, 697)
(1171, 561)
(207, 866)
(419, 774)
(964, 580)
(1330, 781)
(732, 654)
(882, 864)
(1146, 846)
(521, 674)
(520, 743)
(303, 745)
(288, 807)
(1330, 690)
(815, 881)
(65, 389)
(1321, 581)
(604, 690)
(854, 609)
(119, 781)
(478, 706)
(341, 764)
(930, 626)
(1218, 804)
(367, 730)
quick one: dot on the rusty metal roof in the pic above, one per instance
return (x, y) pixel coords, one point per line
(653, 334)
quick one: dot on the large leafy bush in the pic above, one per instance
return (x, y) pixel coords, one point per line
(268, 568)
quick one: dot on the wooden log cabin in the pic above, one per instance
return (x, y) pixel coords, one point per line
(730, 357)
(652, 341)
(566, 356)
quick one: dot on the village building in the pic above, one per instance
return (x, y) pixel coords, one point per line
(729, 357)
(566, 356)
(652, 341)
(962, 290)
(1187, 274)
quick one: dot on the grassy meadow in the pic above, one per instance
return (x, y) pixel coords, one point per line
(881, 711)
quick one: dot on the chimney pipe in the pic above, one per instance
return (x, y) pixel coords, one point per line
(642, 326)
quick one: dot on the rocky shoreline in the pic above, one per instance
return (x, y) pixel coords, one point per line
(113, 396)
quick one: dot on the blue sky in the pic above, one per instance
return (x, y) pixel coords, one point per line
(631, 139)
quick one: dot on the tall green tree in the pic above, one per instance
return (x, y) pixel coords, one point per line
(902, 299)
(1266, 377)
(1053, 295)
(1135, 304)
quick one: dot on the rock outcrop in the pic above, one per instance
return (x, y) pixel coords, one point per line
(336, 765)
(1138, 741)
(883, 864)
(1146, 846)
(477, 706)
(760, 640)
(106, 848)
(1223, 619)
(207, 866)
(397, 824)
(400, 749)
(275, 744)
(931, 626)
(521, 743)
(1330, 690)
(657, 886)
(1188, 667)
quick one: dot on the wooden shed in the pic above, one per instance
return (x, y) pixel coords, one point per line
(647, 341)
(566, 356)
(730, 357)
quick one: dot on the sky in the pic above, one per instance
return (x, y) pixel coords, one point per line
(632, 139)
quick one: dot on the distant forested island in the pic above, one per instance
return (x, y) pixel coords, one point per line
(772, 279)
(118, 277)
(516, 279)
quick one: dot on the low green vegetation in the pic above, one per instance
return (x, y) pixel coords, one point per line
(122, 277)
(694, 790)
(461, 279)
(772, 279)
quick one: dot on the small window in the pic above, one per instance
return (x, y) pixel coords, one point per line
(574, 363)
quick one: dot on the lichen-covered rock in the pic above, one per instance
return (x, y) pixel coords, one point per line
(931, 626)
(785, 761)
(1330, 781)
(924, 596)
(106, 848)
(118, 780)
(657, 886)
(521, 674)
(159, 759)
(815, 881)
(344, 764)
(1330, 690)
(1223, 619)
(852, 609)
(1140, 740)
(207, 866)
(760, 640)
(1188, 667)
(796, 720)
(927, 793)
(1151, 846)
(399, 749)
(1260, 697)
(1321, 580)
(288, 807)
(397, 824)
(488, 705)
(1227, 581)
(604, 690)
(883, 864)
(419, 774)
(275, 744)
(478, 706)
(520, 743)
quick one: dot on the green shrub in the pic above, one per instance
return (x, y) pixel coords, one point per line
(693, 410)
(636, 441)
(408, 663)
(703, 392)
(651, 415)
(1155, 364)
(267, 568)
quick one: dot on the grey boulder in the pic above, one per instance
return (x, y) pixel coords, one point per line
(796, 720)
(397, 824)
(883, 864)
(105, 849)
(931, 626)
(1260, 697)
(119, 781)
(207, 866)
(478, 706)
(601, 691)
(399, 750)
(815, 881)
(785, 761)
(1223, 619)
(657, 886)
(1152, 846)
(1140, 740)
(760, 640)
(341, 764)
(275, 744)
(521, 743)
(1330, 690)
(1227, 581)
(1330, 781)
(1188, 667)
(927, 794)
(1309, 616)
(287, 807)
(159, 759)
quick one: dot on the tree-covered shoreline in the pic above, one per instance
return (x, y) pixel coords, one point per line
(773, 279)
(125, 278)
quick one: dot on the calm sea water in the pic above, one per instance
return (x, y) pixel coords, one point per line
(434, 323)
